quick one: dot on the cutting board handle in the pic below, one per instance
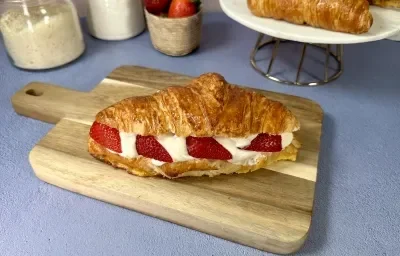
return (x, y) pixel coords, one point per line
(48, 103)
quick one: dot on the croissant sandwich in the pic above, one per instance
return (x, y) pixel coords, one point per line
(386, 3)
(349, 16)
(208, 127)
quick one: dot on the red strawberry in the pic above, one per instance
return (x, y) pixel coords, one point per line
(206, 147)
(183, 8)
(149, 147)
(156, 6)
(266, 143)
(106, 136)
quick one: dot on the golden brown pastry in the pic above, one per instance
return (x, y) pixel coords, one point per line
(208, 127)
(349, 16)
(386, 3)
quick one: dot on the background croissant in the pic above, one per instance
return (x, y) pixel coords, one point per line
(386, 3)
(207, 107)
(350, 16)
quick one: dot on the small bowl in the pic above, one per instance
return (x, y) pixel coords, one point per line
(175, 36)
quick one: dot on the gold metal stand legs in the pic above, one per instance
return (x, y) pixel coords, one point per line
(337, 56)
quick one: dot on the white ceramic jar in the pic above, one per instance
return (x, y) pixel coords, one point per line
(115, 19)
(41, 34)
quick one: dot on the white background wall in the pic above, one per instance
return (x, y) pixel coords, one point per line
(209, 5)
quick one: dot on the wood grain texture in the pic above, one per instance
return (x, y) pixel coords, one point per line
(268, 209)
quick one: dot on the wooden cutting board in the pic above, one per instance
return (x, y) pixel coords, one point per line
(268, 209)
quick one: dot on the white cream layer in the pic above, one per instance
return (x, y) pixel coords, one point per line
(176, 147)
(247, 157)
(128, 145)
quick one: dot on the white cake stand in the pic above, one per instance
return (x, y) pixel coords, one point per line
(386, 24)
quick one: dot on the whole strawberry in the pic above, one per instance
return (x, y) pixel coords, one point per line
(183, 8)
(156, 7)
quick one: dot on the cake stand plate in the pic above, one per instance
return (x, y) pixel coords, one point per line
(386, 23)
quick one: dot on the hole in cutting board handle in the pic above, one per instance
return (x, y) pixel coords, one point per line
(34, 92)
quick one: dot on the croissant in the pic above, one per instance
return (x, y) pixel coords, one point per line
(386, 3)
(208, 127)
(349, 16)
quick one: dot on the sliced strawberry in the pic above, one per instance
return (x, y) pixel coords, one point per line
(206, 147)
(266, 143)
(149, 147)
(106, 136)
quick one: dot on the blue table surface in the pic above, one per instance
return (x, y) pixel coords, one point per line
(356, 211)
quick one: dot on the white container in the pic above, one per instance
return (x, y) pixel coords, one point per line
(115, 19)
(41, 34)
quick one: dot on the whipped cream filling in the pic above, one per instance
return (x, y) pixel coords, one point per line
(176, 147)
(287, 138)
(128, 145)
(247, 157)
(240, 156)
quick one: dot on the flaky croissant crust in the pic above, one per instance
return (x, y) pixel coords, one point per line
(208, 106)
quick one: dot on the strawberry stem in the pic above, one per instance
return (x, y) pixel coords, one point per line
(197, 3)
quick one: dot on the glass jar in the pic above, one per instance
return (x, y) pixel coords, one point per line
(115, 19)
(41, 34)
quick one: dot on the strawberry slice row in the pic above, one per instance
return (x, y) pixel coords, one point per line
(198, 147)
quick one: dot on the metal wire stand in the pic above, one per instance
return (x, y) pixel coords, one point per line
(337, 56)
